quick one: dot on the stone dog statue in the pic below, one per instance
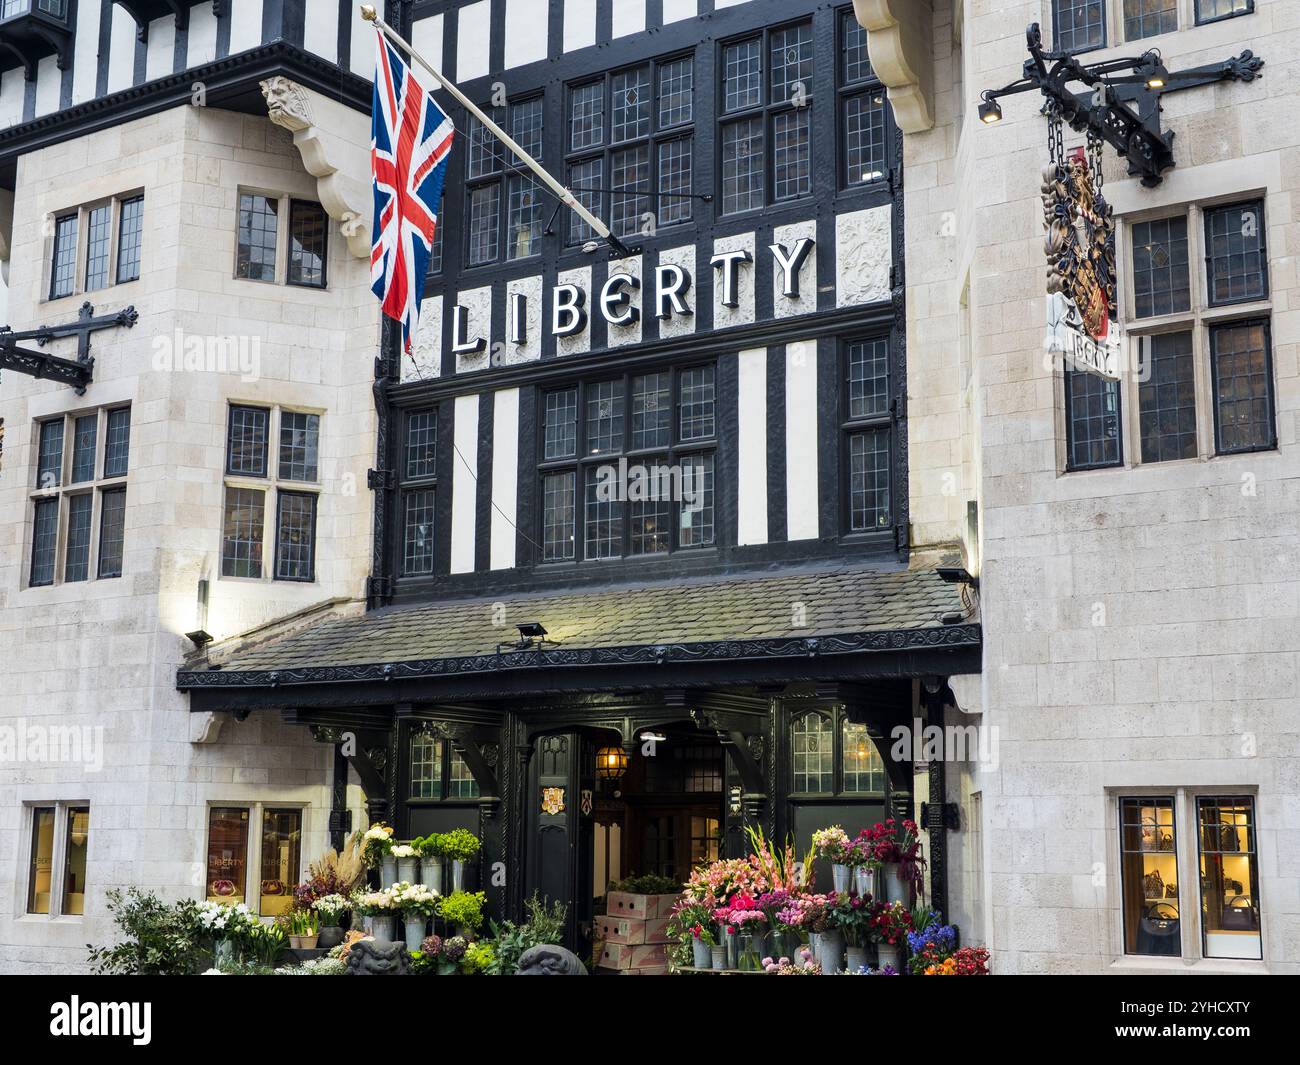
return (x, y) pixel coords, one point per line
(548, 960)
(370, 957)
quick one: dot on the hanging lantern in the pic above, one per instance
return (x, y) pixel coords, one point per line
(611, 763)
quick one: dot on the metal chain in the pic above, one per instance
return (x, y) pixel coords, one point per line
(1095, 158)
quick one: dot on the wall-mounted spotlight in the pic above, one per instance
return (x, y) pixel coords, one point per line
(990, 111)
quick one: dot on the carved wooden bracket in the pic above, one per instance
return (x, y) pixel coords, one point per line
(899, 39)
(333, 141)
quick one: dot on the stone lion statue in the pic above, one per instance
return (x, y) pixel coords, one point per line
(370, 957)
(549, 960)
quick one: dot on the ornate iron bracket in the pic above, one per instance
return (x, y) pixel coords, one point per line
(75, 372)
(1122, 102)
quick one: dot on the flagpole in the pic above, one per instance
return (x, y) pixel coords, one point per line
(566, 196)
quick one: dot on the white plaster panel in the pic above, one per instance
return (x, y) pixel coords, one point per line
(801, 441)
(246, 25)
(426, 37)
(863, 256)
(628, 17)
(581, 341)
(49, 79)
(620, 335)
(320, 33)
(526, 32)
(11, 97)
(505, 477)
(160, 53)
(676, 10)
(361, 57)
(579, 24)
(201, 42)
(534, 322)
(679, 324)
(425, 360)
(121, 50)
(474, 41)
(789, 236)
(743, 314)
(478, 323)
(85, 53)
(751, 447)
(464, 484)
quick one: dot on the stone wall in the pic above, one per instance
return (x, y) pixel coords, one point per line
(104, 653)
(1140, 623)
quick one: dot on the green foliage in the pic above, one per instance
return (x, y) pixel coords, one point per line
(648, 884)
(429, 846)
(303, 923)
(545, 924)
(460, 845)
(463, 909)
(157, 938)
(479, 958)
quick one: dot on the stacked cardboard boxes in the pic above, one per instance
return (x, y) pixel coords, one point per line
(634, 930)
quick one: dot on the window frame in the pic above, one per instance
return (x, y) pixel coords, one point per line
(81, 214)
(1201, 318)
(845, 90)
(295, 204)
(767, 111)
(409, 485)
(60, 809)
(653, 140)
(675, 452)
(284, 206)
(61, 494)
(500, 177)
(852, 425)
(838, 717)
(447, 756)
(272, 484)
(253, 842)
(1197, 20)
(1105, 27)
(1187, 848)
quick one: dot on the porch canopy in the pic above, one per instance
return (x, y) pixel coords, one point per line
(820, 624)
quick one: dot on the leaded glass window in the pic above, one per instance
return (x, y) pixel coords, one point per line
(299, 446)
(742, 166)
(258, 228)
(1211, 10)
(63, 265)
(812, 742)
(117, 442)
(869, 504)
(557, 517)
(99, 235)
(1236, 260)
(1242, 373)
(85, 431)
(130, 235)
(246, 442)
(1161, 282)
(417, 537)
(861, 767)
(112, 528)
(295, 541)
(426, 766)
(308, 228)
(1149, 18)
(241, 544)
(460, 782)
(49, 462)
(1080, 25)
(1092, 405)
(1167, 399)
(868, 377)
(45, 531)
(76, 565)
(421, 444)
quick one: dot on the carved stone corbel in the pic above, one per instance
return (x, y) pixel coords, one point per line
(899, 39)
(333, 141)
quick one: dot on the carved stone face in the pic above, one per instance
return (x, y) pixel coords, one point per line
(549, 960)
(372, 958)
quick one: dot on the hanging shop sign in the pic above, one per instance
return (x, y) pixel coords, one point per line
(1080, 249)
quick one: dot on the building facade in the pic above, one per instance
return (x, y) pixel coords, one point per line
(1135, 539)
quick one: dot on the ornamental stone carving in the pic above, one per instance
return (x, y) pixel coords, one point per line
(900, 41)
(863, 256)
(334, 142)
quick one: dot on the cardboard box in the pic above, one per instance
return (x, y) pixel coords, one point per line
(625, 904)
(634, 956)
(634, 930)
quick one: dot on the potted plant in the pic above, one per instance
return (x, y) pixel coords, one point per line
(896, 850)
(890, 923)
(746, 920)
(463, 910)
(852, 915)
(377, 853)
(825, 936)
(691, 922)
(408, 861)
(416, 904)
(264, 942)
(303, 929)
(330, 909)
(930, 943)
(461, 846)
(227, 924)
(834, 845)
(381, 908)
(429, 848)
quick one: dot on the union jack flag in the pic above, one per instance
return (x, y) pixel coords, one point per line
(410, 143)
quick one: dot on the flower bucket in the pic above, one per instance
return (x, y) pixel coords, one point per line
(388, 872)
(889, 954)
(857, 959)
(863, 880)
(457, 876)
(223, 951)
(751, 958)
(718, 955)
(896, 890)
(703, 954)
(781, 944)
(408, 870)
(431, 874)
(830, 951)
(840, 875)
(308, 942)
(330, 935)
(382, 928)
(414, 930)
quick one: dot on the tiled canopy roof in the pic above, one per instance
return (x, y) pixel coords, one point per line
(822, 611)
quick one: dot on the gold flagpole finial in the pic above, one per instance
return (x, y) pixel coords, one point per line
(368, 13)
